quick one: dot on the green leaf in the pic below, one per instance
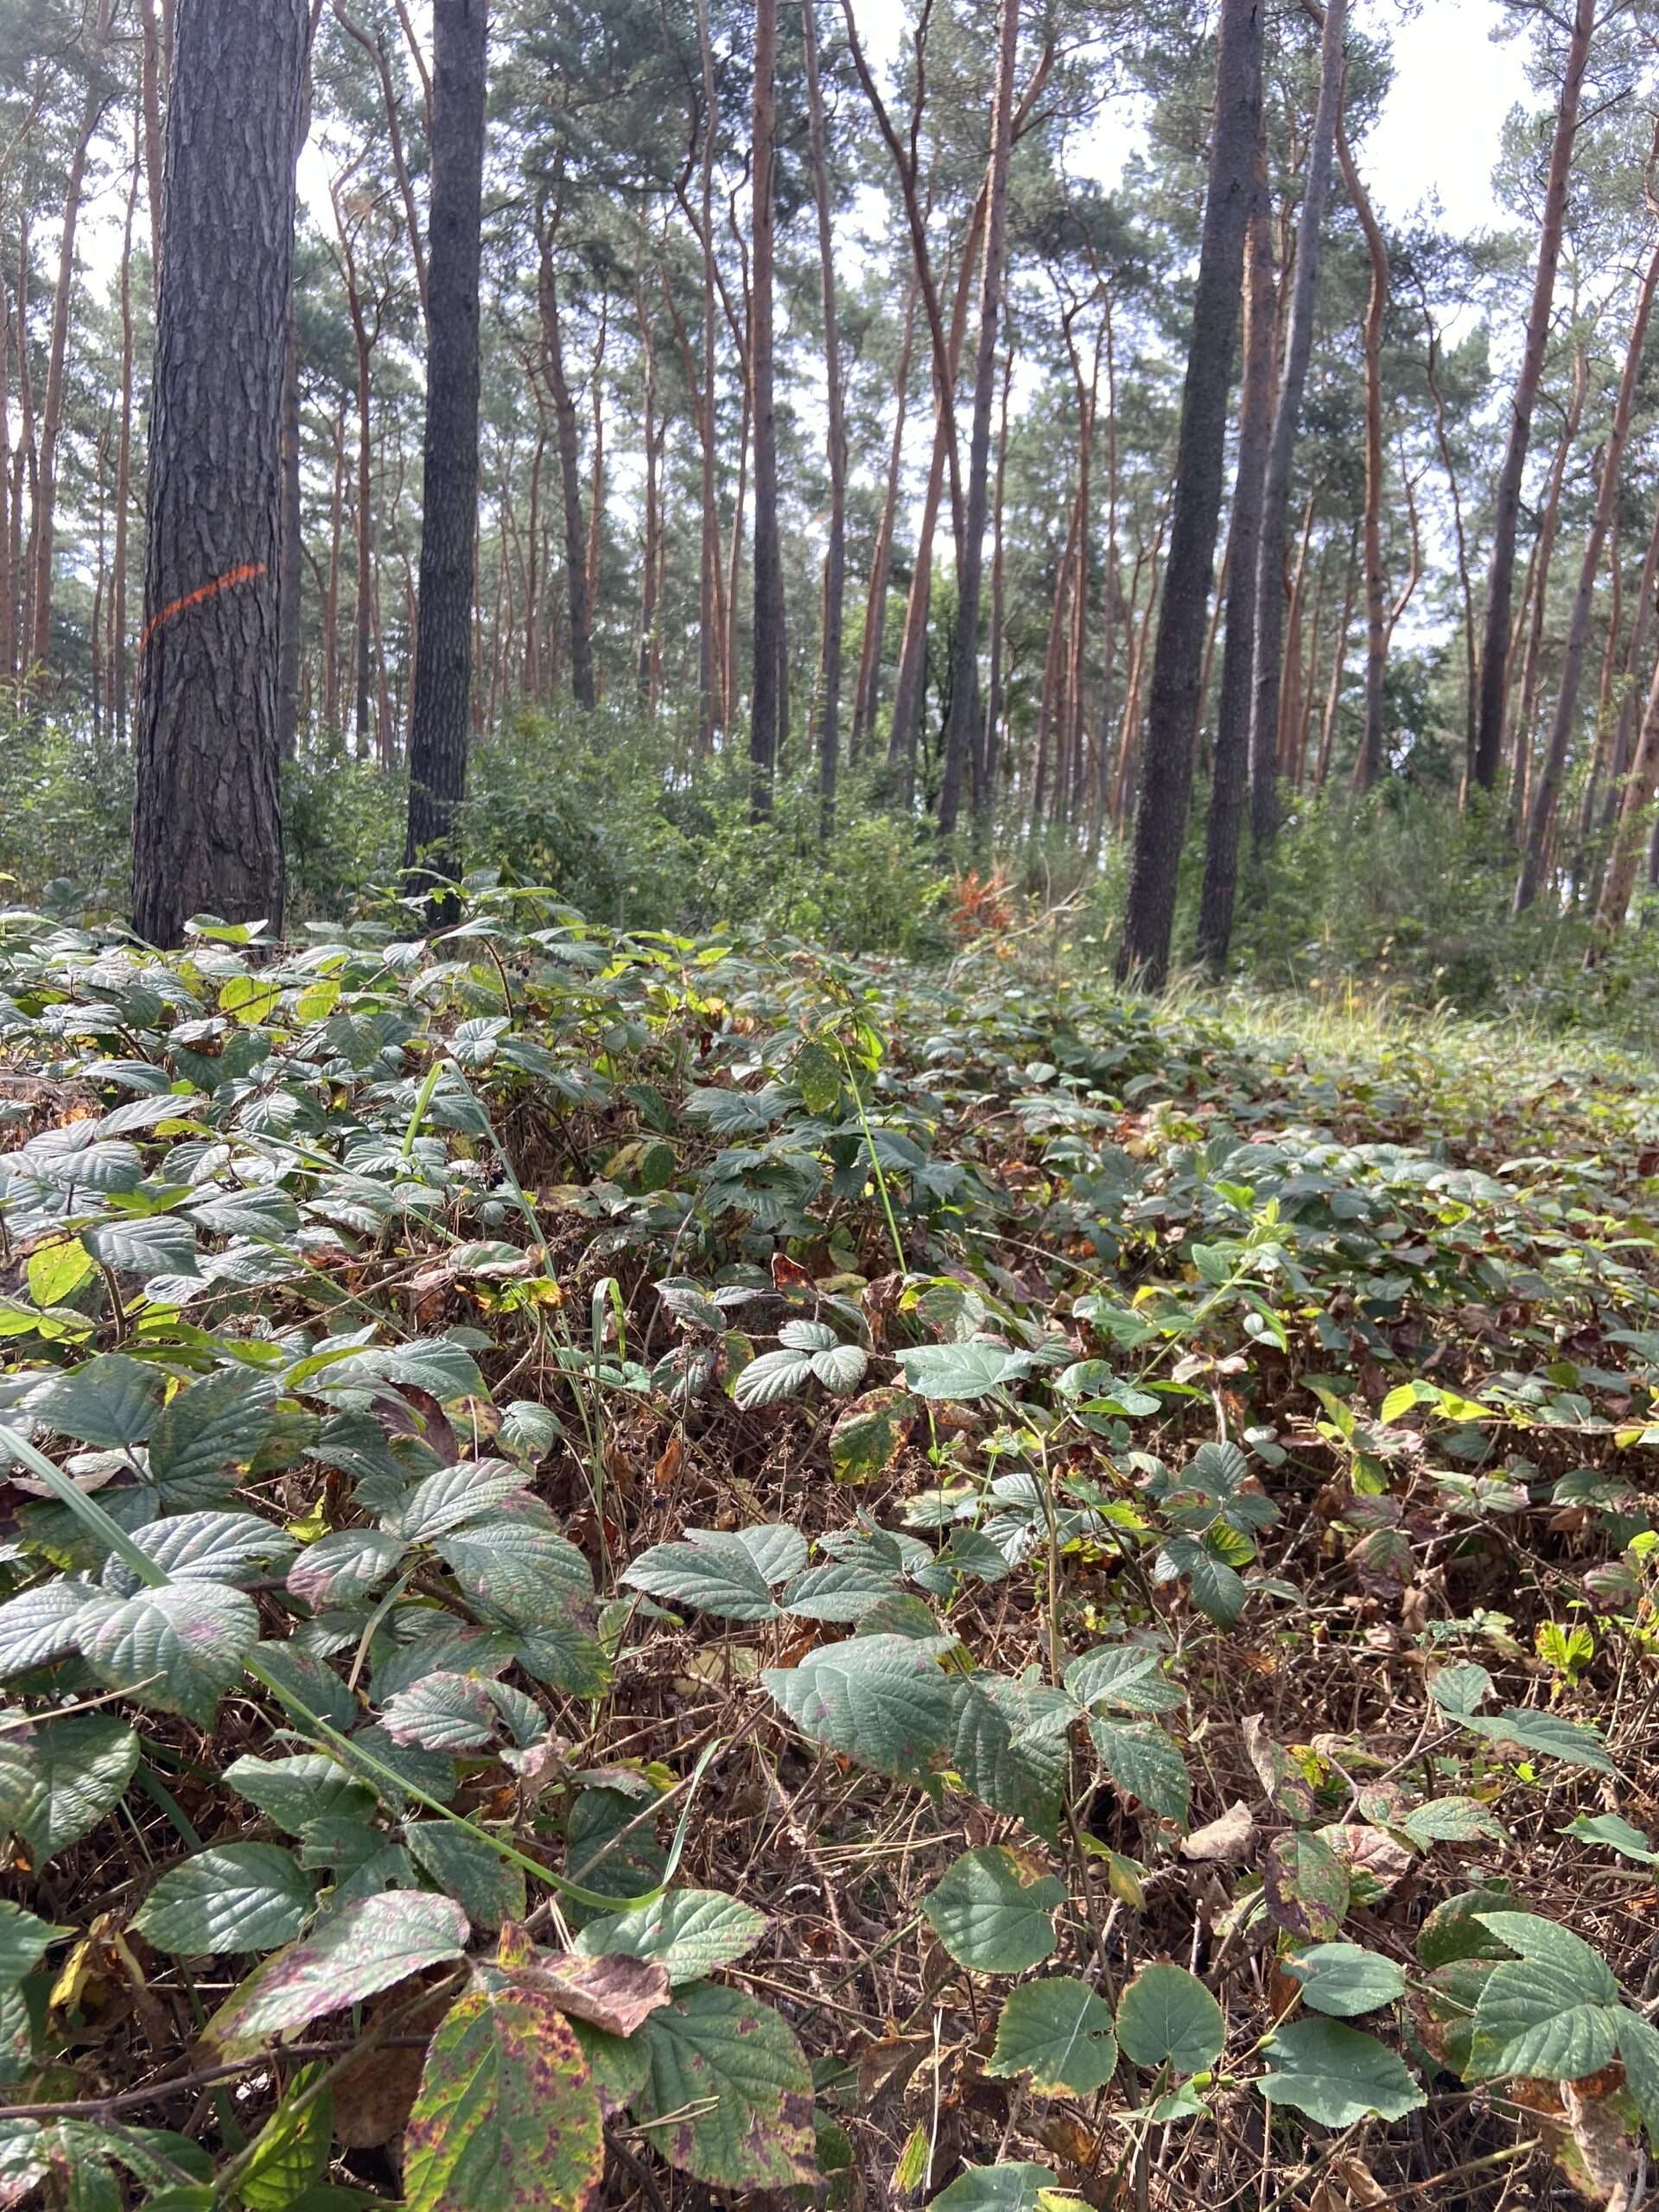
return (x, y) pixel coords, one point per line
(881, 1699)
(1003, 1752)
(962, 1372)
(1535, 2018)
(1166, 2017)
(292, 2150)
(1060, 2033)
(1460, 1690)
(717, 1574)
(59, 1778)
(1336, 2075)
(994, 1911)
(1552, 1945)
(838, 1591)
(24, 1942)
(1144, 1763)
(1344, 1979)
(442, 1713)
(297, 1791)
(817, 1077)
(1306, 1887)
(716, 2043)
(771, 1378)
(868, 1437)
(1601, 1828)
(218, 1422)
(179, 1648)
(108, 1401)
(41, 1623)
(687, 1932)
(56, 1270)
(1454, 1930)
(1638, 2046)
(1124, 1676)
(343, 1566)
(508, 2116)
(151, 1244)
(219, 1546)
(487, 1889)
(1544, 1735)
(1449, 1820)
(450, 1498)
(237, 1897)
(367, 1947)
(1016, 2187)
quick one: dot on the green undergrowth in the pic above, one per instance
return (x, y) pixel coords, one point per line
(650, 1571)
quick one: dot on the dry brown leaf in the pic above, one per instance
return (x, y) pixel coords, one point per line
(1223, 1842)
(616, 1993)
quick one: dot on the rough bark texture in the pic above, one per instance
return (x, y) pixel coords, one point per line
(576, 535)
(1368, 766)
(1231, 773)
(834, 559)
(1166, 777)
(767, 687)
(1541, 812)
(443, 648)
(1269, 656)
(1500, 582)
(206, 828)
(962, 731)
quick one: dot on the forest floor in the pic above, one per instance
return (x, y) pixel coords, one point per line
(877, 1587)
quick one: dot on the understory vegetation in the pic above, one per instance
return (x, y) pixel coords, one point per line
(646, 1570)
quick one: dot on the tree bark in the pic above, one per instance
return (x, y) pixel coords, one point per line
(1500, 582)
(1269, 653)
(1368, 765)
(44, 532)
(1542, 813)
(564, 422)
(1167, 778)
(869, 687)
(206, 827)
(1231, 773)
(150, 71)
(962, 730)
(834, 559)
(767, 685)
(443, 645)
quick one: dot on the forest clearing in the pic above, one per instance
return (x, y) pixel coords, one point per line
(828, 1127)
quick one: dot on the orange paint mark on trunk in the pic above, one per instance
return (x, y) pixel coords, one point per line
(244, 574)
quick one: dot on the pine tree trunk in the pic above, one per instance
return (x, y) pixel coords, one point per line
(1543, 810)
(834, 559)
(119, 675)
(1500, 582)
(1172, 730)
(206, 828)
(1368, 765)
(766, 687)
(149, 73)
(1269, 653)
(45, 520)
(576, 535)
(443, 645)
(867, 690)
(288, 592)
(1231, 773)
(962, 730)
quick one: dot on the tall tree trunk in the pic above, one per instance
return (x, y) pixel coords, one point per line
(292, 542)
(331, 594)
(1442, 435)
(1630, 834)
(118, 670)
(149, 101)
(24, 463)
(376, 50)
(711, 611)
(1500, 582)
(962, 730)
(1166, 777)
(1525, 719)
(834, 559)
(1268, 653)
(1338, 665)
(1368, 766)
(1231, 773)
(44, 528)
(564, 422)
(766, 687)
(206, 827)
(991, 760)
(869, 687)
(443, 644)
(1547, 784)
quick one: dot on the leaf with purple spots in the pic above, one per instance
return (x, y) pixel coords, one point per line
(729, 2081)
(367, 1947)
(507, 2119)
